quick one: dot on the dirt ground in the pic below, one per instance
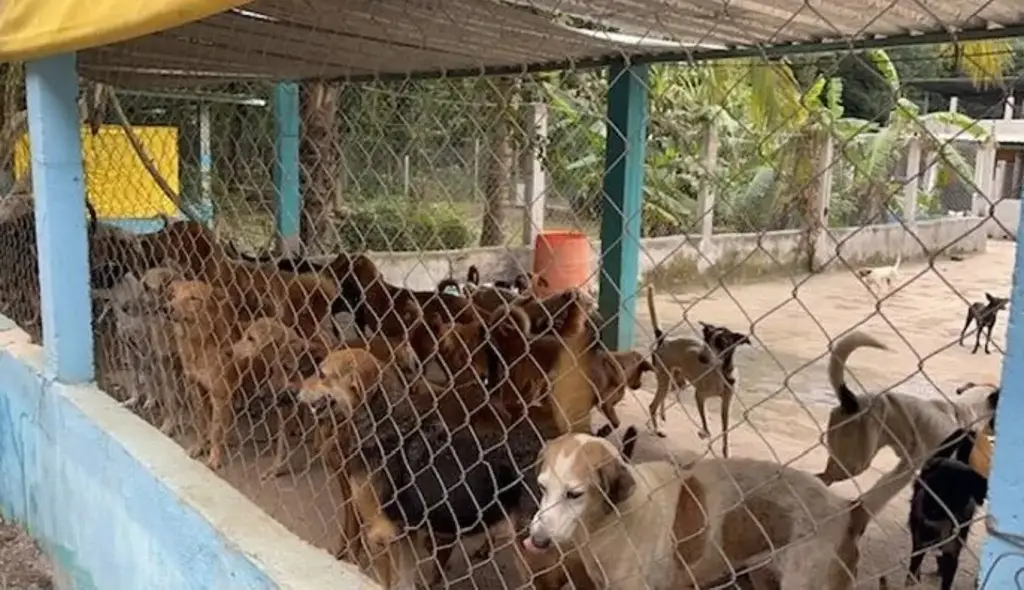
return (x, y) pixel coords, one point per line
(22, 565)
(784, 396)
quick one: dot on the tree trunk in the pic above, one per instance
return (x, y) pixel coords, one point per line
(498, 162)
(320, 159)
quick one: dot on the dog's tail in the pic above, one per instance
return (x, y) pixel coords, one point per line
(841, 351)
(899, 257)
(659, 336)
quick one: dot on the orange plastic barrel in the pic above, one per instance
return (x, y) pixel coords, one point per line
(562, 258)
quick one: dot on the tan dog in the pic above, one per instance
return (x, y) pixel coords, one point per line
(650, 527)
(682, 362)
(206, 323)
(862, 425)
(610, 373)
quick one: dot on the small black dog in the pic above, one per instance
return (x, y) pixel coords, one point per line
(984, 315)
(724, 342)
(946, 495)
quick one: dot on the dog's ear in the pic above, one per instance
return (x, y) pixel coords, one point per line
(644, 366)
(510, 317)
(991, 298)
(473, 275)
(617, 482)
(522, 283)
(365, 270)
(629, 438)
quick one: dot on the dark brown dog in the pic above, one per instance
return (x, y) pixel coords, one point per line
(363, 289)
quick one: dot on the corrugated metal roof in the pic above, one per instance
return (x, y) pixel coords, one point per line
(294, 39)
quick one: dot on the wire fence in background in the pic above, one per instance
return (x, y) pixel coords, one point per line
(371, 392)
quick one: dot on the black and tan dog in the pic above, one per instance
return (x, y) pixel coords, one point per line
(687, 361)
(946, 496)
(410, 473)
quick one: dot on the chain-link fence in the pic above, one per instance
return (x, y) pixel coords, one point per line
(372, 307)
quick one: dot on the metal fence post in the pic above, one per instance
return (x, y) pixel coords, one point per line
(622, 203)
(287, 196)
(58, 179)
(1003, 555)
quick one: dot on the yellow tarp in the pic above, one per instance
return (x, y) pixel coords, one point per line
(31, 29)
(116, 182)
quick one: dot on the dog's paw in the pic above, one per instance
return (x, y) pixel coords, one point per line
(168, 427)
(660, 433)
(214, 462)
(196, 451)
(274, 472)
(703, 434)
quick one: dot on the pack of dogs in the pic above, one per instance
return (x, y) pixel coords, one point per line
(466, 413)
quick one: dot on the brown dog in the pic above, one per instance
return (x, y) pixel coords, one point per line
(610, 373)
(206, 322)
(301, 301)
(346, 377)
(523, 367)
(265, 360)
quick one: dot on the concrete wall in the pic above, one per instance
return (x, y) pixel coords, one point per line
(739, 256)
(116, 505)
(1007, 214)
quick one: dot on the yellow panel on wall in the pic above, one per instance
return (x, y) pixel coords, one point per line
(116, 182)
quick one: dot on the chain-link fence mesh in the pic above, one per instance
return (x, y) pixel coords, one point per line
(382, 375)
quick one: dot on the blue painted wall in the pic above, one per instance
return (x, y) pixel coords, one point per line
(106, 521)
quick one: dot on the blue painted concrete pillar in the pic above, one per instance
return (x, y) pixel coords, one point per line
(1003, 556)
(287, 197)
(51, 86)
(622, 203)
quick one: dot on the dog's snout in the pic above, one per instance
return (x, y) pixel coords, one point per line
(540, 541)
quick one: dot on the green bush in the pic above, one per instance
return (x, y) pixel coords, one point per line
(397, 225)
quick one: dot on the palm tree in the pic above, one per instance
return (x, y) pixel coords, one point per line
(984, 62)
(320, 158)
(499, 162)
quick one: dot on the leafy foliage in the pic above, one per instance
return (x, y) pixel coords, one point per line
(400, 226)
